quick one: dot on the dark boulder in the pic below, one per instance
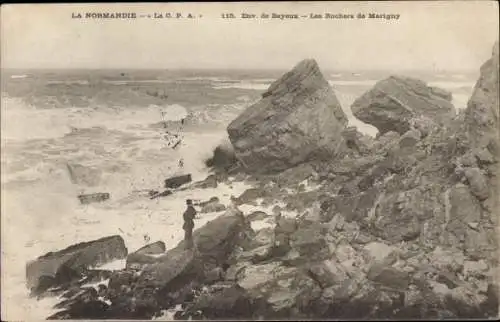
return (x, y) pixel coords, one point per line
(93, 197)
(222, 302)
(69, 264)
(177, 181)
(298, 118)
(145, 255)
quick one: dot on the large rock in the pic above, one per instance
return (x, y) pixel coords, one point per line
(394, 101)
(477, 182)
(482, 109)
(70, 264)
(212, 205)
(399, 216)
(145, 255)
(279, 291)
(298, 118)
(214, 242)
(222, 302)
(463, 210)
(357, 141)
(177, 181)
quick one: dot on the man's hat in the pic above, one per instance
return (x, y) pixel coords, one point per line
(189, 201)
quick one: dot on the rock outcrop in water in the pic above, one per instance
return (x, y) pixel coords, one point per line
(393, 102)
(72, 263)
(298, 119)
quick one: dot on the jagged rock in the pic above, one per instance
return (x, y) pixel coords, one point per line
(340, 293)
(139, 261)
(226, 302)
(447, 260)
(93, 197)
(354, 208)
(398, 216)
(463, 209)
(475, 268)
(153, 248)
(212, 205)
(70, 264)
(409, 139)
(310, 242)
(357, 141)
(481, 243)
(172, 276)
(389, 276)
(393, 102)
(465, 302)
(177, 181)
(477, 182)
(423, 124)
(482, 115)
(257, 254)
(328, 273)
(296, 174)
(249, 195)
(276, 290)
(378, 251)
(209, 182)
(298, 119)
(145, 255)
(257, 215)
(264, 236)
(484, 157)
(386, 141)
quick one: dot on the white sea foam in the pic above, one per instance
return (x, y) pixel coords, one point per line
(39, 199)
(352, 83)
(70, 82)
(244, 85)
(452, 85)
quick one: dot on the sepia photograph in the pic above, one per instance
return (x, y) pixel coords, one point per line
(312, 160)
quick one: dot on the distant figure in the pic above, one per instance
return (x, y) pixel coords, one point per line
(181, 163)
(188, 226)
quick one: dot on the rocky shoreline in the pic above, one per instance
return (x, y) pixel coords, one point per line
(399, 226)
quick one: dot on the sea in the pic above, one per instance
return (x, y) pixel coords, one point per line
(123, 132)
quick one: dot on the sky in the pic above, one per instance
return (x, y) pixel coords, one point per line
(433, 35)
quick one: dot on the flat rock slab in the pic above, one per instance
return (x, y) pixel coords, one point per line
(74, 260)
(93, 197)
(177, 181)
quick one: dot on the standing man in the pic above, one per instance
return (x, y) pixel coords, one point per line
(188, 226)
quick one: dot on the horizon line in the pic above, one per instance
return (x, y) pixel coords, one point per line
(237, 69)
